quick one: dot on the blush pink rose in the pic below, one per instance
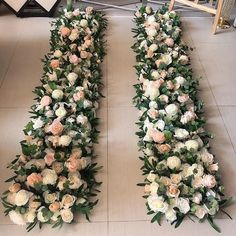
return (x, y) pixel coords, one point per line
(56, 127)
(209, 181)
(49, 158)
(158, 63)
(170, 85)
(33, 179)
(138, 14)
(65, 31)
(45, 101)
(169, 42)
(183, 98)
(74, 59)
(78, 95)
(157, 136)
(153, 113)
(54, 64)
(214, 167)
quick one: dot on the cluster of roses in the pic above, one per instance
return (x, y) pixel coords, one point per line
(182, 176)
(54, 176)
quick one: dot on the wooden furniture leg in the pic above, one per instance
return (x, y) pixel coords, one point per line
(217, 16)
(172, 2)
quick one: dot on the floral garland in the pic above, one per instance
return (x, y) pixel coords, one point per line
(54, 177)
(182, 176)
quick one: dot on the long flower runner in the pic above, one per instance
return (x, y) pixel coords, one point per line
(54, 177)
(182, 176)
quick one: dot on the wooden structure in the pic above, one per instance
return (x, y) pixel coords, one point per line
(210, 9)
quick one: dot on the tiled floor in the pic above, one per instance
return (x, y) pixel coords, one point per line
(121, 211)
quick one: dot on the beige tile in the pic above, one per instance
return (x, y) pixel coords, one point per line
(200, 30)
(229, 116)
(85, 229)
(121, 59)
(140, 228)
(124, 196)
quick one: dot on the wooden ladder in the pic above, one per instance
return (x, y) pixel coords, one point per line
(210, 9)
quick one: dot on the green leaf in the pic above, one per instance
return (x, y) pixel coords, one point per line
(212, 223)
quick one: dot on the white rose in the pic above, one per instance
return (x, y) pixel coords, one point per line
(192, 144)
(180, 80)
(22, 197)
(61, 183)
(66, 215)
(175, 54)
(84, 23)
(157, 204)
(206, 157)
(155, 74)
(151, 177)
(166, 58)
(38, 123)
(171, 110)
(72, 77)
(148, 152)
(68, 201)
(183, 205)
(81, 119)
(173, 162)
(42, 217)
(69, 14)
(197, 198)
(160, 124)
(49, 197)
(151, 19)
(57, 53)
(65, 140)
(49, 176)
(87, 103)
(17, 218)
(153, 104)
(153, 188)
(75, 181)
(181, 133)
(170, 215)
(151, 32)
(183, 59)
(57, 94)
(30, 216)
(60, 112)
(153, 47)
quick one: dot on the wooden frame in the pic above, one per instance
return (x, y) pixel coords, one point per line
(211, 10)
(32, 8)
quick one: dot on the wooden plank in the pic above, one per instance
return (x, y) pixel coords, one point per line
(197, 6)
(217, 16)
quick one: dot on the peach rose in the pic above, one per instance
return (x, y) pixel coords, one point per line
(158, 63)
(88, 43)
(55, 206)
(72, 164)
(170, 85)
(163, 148)
(83, 54)
(45, 101)
(175, 178)
(74, 59)
(150, 54)
(173, 191)
(33, 179)
(197, 182)
(153, 113)
(56, 127)
(65, 31)
(54, 64)
(157, 136)
(163, 74)
(78, 95)
(14, 188)
(147, 188)
(49, 158)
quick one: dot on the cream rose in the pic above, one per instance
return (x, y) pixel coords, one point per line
(65, 140)
(173, 162)
(49, 176)
(192, 145)
(57, 94)
(183, 205)
(66, 215)
(22, 197)
(68, 201)
(72, 77)
(171, 110)
(181, 133)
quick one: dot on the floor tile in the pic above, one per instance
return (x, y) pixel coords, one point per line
(140, 228)
(124, 196)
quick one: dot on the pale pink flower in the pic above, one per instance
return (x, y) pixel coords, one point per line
(78, 95)
(169, 42)
(74, 59)
(209, 181)
(56, 127)
(49, 158)
(187, 117)
(157, 136)
(45, 101)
